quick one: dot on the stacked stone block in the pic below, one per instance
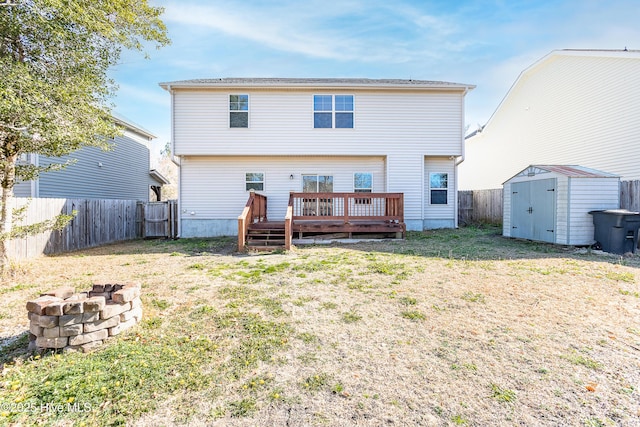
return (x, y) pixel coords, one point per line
(63, 319)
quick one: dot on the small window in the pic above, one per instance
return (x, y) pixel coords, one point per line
(333, 111)
(254, 181)
(363, 183)
(239, 111)
(439, 185)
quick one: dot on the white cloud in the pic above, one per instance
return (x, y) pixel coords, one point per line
(357, 30)
(276, 31)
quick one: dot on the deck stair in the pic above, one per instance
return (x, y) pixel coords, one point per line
(267, 235)
(320, 214)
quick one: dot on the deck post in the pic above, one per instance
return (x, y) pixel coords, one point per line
(241, 235)
(346, 208)
(288, 224)
(244, 220)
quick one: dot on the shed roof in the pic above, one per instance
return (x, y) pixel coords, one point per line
(576, 171)
(315, 83)
(571, 171)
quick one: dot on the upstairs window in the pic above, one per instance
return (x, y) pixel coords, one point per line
(333, 111)
(239, 111)
(439, 185)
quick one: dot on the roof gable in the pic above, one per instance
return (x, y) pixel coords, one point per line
(544, 61)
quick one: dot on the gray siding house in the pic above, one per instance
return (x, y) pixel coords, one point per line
(120, 173)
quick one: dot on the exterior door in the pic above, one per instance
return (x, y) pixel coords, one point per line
(520, 214)
(533, 208)
(317, 184)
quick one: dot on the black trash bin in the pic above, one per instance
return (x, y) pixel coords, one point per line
(616, 230)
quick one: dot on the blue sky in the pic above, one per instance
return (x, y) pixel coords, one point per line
(484, 43)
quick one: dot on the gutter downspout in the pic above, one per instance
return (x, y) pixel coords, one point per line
(176, 160)
(459, 160)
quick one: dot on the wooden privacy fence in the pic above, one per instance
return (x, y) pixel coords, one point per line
(159, 219)
(96, 223)
(630, 195)
(485, 206)
(480, 206)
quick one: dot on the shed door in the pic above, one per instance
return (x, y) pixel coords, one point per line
(533, 208)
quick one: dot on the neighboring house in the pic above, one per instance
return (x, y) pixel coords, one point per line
(120, 173)
(571, 107)
(277, 136)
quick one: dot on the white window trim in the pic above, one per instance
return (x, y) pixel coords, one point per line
(446, 188)
(333, 110)
(229, 110)
(264, 181)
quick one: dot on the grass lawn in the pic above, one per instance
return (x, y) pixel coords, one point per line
(449, 327)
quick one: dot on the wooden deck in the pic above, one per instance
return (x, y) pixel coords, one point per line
(318, 215)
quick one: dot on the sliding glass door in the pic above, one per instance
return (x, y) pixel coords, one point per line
(317, 184)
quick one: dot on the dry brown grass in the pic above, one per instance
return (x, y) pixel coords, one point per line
(452, 327)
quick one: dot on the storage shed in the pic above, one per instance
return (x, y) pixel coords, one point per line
(551, 203)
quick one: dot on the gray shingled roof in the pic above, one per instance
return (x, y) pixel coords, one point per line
(315, 83)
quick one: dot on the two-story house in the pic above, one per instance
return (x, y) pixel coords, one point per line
(572, 107)
(276, 136)
(123, 172)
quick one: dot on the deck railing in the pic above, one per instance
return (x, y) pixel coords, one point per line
(254, 211)
(347, 207)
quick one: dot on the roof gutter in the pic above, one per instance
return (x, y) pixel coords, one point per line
(329, 86)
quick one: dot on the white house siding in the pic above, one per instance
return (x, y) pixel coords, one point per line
(440, 216)
(213, 191)
(281, 123)
(572, 107)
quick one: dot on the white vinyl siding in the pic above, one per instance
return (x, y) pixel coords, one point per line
(570, 108)
(282, 123)
(439, 211)
(225, 195)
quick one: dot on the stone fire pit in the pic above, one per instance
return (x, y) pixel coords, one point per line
(63, 319)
